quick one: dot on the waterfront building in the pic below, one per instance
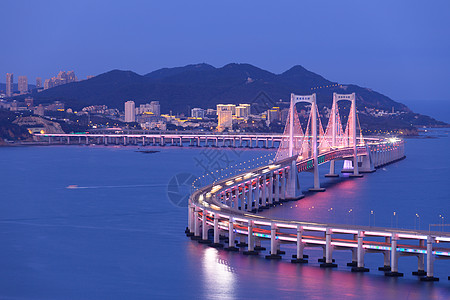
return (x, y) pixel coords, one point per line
(197, 113)
(23, 84)
(130, 112)
(225, 116)
(9, 84)
(243, 111)
(273, 115)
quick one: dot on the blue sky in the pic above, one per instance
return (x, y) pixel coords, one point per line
(399, 48)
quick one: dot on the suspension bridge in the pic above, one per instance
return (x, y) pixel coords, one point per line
(228, 207)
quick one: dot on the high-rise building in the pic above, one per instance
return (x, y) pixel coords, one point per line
(225, 116)
(9, 84)
(273, 115)
(23, 84)
(243, 111)
(47, 84)
(156, 108)
(247, 108)
(130, 111)
(38, 82)
(197, 113)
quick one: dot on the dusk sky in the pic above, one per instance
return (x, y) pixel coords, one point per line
(399, 48)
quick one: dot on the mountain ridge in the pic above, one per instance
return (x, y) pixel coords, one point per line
(202, 85)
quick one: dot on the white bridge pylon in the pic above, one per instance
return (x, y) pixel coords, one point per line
(308, 144)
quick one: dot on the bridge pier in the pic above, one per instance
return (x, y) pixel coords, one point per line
(277, 186)
(360, 255)
(283, 184)
(332, 170)
(430, 261)
(250, 241)
(216, 243)
(394, 258)
(257, 193)
(264, 192)
(271, 188)
(299, 257)
(273, 243)
(231, 246)
(196, 235)
(420, 262)
(204, 239)
(328, 251)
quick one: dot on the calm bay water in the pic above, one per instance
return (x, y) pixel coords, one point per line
(118, 234)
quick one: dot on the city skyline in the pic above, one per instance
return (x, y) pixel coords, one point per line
(394, 59)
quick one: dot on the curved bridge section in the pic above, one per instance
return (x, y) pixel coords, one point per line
(229, 209)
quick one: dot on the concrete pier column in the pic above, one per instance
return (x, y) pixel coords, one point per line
(273, 243)
(264, 191)
(354, 262)
(216, 243)
(387, 257)
(430, 261)
(250, 197)
(242, 198)
(299, 257)
(360, 255)
(420, 261)
(271, 188)
(231, 246)
(204, 227)
(394, 258)
(328, 251)
(250, 240)
(332, 169)
(257, 193)
(277, 186)
(283, 184)
(196, 224)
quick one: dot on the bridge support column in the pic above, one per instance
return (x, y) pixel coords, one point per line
(273, 243)
(430, 261)
(354, 262)
(204, 239)
(299, 258)
(231, 246)
(216, 243)
(360, 255)
(250, 197)
(283, 184)
(293, 185)
(196, 235)
(420, 262)
(191, 216)
(257, 193)
(332, 170)
(271, 188)
(277, 186)
(250, 240)
(328, 251)
(242, 198)
(264, 192)
(394, 258)
(387, 258)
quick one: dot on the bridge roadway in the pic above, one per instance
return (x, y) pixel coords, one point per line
(229, 207)
(164, 139)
